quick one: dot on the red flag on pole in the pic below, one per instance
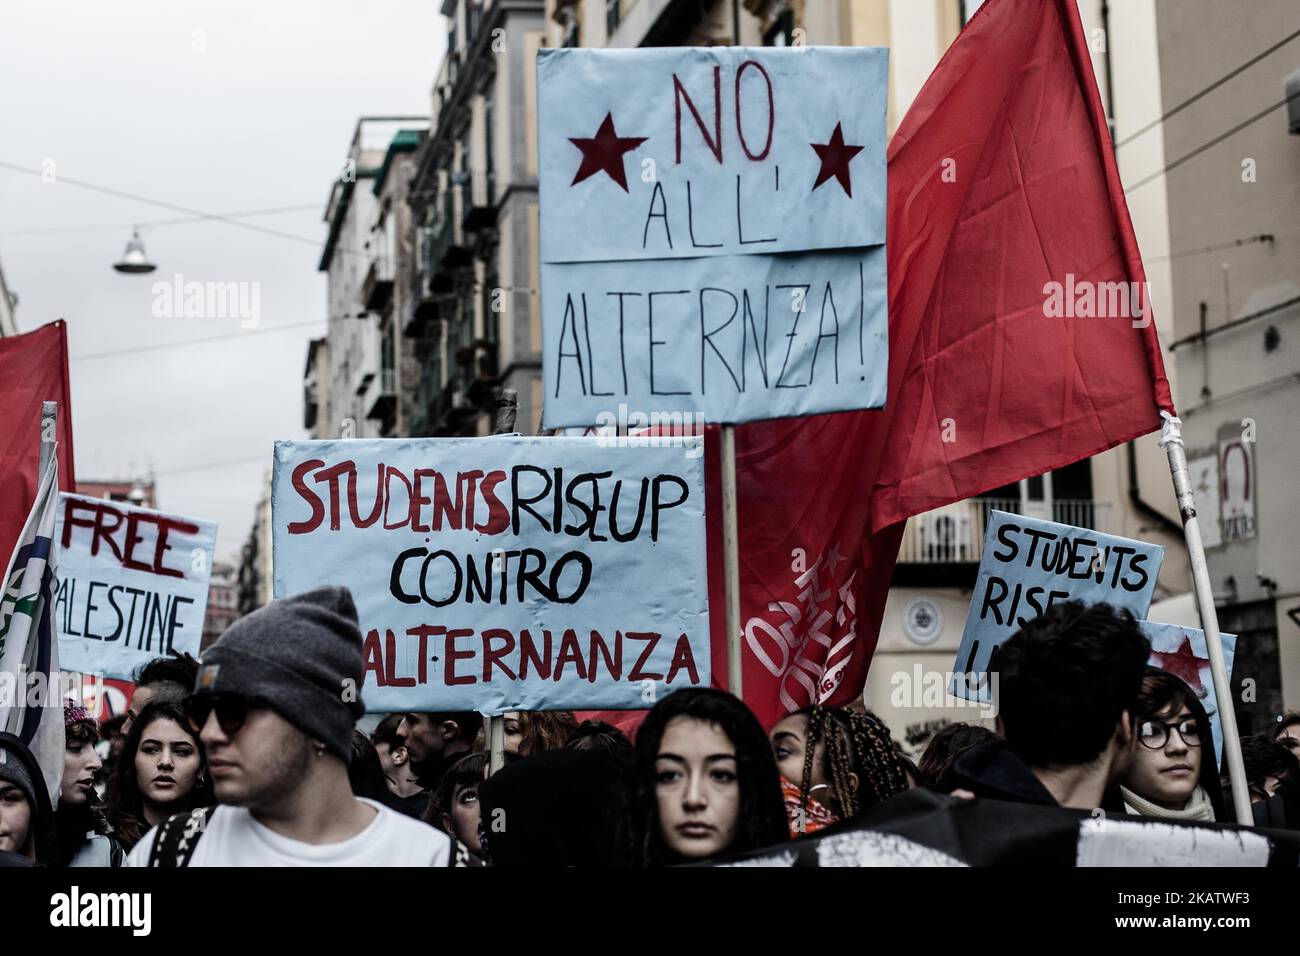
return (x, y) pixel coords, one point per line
(1001, 182)
(33, 369)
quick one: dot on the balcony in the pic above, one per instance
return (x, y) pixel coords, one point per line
(310, 405)
(446, 250)
(480, 212)
(383, 398)
(377, 287)
(954, 534)
(478, 369)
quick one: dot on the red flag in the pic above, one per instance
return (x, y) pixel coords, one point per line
(1031, 196)
(33, 369)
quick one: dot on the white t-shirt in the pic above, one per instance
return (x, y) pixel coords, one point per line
(233, 838)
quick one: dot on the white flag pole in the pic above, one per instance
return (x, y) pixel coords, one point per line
(731, 560)
(503, 424)
(1171, 440)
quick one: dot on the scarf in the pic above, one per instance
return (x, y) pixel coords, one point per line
(816, 816)
(1198, 806)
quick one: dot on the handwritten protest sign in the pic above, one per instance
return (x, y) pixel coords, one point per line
(1027, 566)
(504, 573)
(132, 584)
(712, 231)
(1182, 651)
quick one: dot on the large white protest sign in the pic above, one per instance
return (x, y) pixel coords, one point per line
(133, 584)
(712, 231)
(505, 573)
(1027, 566)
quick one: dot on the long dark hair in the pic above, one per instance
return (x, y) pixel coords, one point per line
(762, 810)
(124, 803)
(856, 744)
(1163, 691)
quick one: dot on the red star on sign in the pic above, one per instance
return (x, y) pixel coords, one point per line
(835, 157)
(1182, 663)
(605, 151)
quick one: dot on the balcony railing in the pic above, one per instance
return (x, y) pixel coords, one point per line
(954, 534)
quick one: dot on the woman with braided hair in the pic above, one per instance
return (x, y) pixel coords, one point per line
(835, 763)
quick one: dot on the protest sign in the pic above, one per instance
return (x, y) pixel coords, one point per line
(712, 231)
(1027, 566)
(1182, 652)
(503, 573)
(133, 584)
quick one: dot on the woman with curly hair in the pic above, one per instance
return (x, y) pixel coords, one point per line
(703, 782)
(834, 764)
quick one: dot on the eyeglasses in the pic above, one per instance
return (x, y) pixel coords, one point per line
(1155, 734)
(231, 710)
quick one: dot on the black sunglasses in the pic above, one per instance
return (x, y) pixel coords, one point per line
(231, 710)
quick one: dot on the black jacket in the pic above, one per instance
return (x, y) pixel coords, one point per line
(993, 771)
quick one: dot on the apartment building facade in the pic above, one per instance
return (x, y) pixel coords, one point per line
(474, 313)
(1233, 195)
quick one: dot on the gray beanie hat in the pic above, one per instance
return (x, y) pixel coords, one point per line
(299, 654)
(12, 771)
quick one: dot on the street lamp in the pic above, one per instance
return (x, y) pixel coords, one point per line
(134, 261)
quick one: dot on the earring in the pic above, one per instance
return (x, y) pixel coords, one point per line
(320, 750)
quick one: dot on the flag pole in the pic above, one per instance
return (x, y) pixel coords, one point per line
(503, 424)
(49, 437)
(1171, 440)
(731, 561)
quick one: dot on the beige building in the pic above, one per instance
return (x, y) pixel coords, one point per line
(1232, 189)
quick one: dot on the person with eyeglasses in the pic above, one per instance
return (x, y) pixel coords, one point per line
(1173, 774)
(275, 704)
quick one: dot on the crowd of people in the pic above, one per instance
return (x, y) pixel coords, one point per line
(253, 757)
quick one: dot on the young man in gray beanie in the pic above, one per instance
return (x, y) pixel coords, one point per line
(275, 702)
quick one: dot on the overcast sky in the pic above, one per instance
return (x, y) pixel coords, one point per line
(220, 106)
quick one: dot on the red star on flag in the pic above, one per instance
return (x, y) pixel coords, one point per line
(1181, 663)
(835, 157)
(605, 151)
